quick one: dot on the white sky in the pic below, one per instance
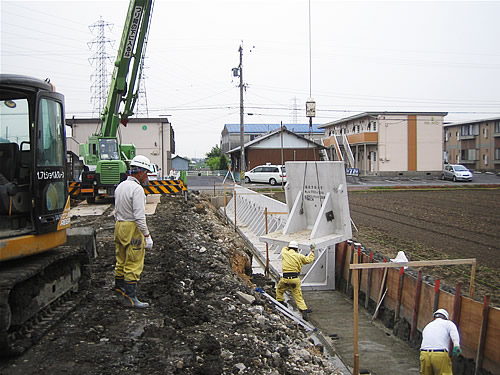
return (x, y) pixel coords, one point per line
(366, 56)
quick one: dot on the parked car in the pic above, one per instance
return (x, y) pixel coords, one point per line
(272, 174)
(155, 174)
(456, 172)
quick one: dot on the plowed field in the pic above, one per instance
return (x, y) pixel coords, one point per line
(435, 224)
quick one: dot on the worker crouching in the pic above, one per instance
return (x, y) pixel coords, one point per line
(292, 262)
(132, 236)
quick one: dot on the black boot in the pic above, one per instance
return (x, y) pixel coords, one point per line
(130, 299)
(119, 287)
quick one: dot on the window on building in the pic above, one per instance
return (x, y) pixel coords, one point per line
(485, 159)
(470, 129)
(374, 126)
(497, 126)
(497, 154)
(468, 154)
(485, 132)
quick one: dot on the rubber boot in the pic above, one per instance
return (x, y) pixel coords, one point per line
(119, 287)
(130, 299)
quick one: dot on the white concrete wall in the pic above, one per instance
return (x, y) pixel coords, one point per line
(145, 135)
(429, 143)
(393, 143)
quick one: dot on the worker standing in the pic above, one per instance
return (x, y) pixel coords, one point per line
(292, 262)
(132, 236)
(436, 336)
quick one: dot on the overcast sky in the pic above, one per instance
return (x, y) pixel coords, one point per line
(366, 56)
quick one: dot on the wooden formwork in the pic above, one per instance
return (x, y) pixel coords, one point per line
(479, 324)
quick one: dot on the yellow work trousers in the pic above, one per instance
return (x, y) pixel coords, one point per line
(294, 286)
(435, 363)
(129, 243)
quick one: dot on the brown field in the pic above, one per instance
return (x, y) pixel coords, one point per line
(435, 224)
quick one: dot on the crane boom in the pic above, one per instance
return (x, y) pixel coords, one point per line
(130, 54)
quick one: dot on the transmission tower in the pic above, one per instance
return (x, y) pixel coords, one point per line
(294, 109)
(100, 77)
(142, 100)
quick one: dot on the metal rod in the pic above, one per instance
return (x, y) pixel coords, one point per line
(400, 294)
(482, 334)
(356, 296)
(416, 304)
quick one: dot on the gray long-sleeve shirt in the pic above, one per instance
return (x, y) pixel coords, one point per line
(130, 203)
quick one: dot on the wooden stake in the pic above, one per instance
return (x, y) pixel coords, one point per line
(482, 334)
(416, 304)
(355, 338)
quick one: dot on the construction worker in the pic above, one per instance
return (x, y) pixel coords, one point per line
(132, 236)
(436, 336)
(292, 262)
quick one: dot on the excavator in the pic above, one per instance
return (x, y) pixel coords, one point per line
(105, 158)
(41, 263)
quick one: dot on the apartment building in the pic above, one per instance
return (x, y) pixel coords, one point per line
(388, 143)
(473, 143)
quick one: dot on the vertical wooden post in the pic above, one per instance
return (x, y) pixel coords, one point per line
(457, 302)
(472, 277)
(400, 293)
(267, 246)
(482, 334)
(369, 282)
(350, 246)
(214, 188)
(235, 226)
(416, 304)
(436, 295)
(355, 338)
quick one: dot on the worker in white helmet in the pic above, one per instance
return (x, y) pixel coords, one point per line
(292, 262)
(436, 336)
(132, 236)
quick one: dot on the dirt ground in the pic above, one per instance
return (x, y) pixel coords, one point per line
(435, 224)
(196, 323)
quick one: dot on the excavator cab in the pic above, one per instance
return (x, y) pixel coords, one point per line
(33, 187)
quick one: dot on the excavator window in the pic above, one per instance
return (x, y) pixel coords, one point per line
(50, 134)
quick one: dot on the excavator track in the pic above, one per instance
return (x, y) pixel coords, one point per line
(36, 292)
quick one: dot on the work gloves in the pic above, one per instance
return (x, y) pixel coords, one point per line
(456, 351)
(149, 243)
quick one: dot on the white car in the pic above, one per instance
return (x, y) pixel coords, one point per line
(456, 172)
(272, 174)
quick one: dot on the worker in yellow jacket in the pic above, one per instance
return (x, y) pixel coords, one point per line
(292, 262)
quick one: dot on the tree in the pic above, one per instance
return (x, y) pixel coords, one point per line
(216, 160)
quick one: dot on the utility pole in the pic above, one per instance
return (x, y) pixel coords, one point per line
(242, 125)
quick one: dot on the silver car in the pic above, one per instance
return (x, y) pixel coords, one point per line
(456, 172)
(272, 174)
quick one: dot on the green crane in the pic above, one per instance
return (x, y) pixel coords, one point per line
(104, 157)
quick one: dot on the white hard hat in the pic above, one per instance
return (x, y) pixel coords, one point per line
(293, 245)
(141, 161)
(441, 313)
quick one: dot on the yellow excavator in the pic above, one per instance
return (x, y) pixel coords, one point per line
(41, 264)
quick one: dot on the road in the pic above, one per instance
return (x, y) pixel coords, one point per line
(216, 182)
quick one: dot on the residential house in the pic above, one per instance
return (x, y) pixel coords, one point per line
(179, 163)
(230, 135)
(276, 147)
(473, 143)
(388, 143)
